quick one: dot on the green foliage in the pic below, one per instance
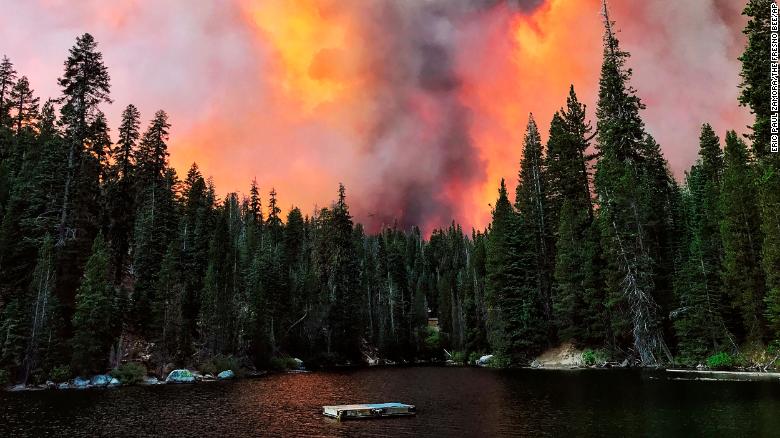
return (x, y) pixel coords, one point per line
(500, 361)
(3, 377)
(755, 81)
(721, 361)
(458, 357)
(282, 363)
(634, 189)
(432, 338)
(219, 363)
(60, 373)
(95, 318)
(594, 357)
(474, 357)
(130, 373)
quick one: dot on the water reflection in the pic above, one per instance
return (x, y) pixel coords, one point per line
(451, 402)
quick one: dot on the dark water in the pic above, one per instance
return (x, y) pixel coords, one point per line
(451, 402)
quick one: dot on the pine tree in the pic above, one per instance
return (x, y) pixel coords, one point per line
(7, 80)
(740, 227)
(501, 270)
(618, 181)
(95, 318)
(567, 160)
(43, 346)
(755, 94)
(577, 291)
(532, 204)
(700, 326)
(24, 104)
(195, 228)
(85, 85)
(274, 222)
(755, 79)
(155, 218)
(120, 193)
(169, 325)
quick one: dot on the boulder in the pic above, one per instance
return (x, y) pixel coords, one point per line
(484, 360)
(50, 384)
(80, 383)
(19, 387)
(151, 380)
(100, 380)
(226, 375)
(299, 364)
(63, 385)
(114, 382)
(208, 377)
(181, 376)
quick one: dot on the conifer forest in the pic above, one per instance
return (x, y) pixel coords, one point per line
(108, 255)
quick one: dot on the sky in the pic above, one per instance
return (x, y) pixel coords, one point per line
(418, 106)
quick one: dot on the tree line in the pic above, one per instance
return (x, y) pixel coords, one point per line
(105, 251)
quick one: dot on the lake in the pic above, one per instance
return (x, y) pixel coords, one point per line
(451, 402)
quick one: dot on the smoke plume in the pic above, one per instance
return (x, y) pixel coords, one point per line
(417, 106)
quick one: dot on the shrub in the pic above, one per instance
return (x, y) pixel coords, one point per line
(593, 357)
(720, 361)
(60, 373)
(474, 357)
(458, 357)
(432, 339)
(3, 377)
(499, 361)
(217, 364)
(282, 363)
(129, 373)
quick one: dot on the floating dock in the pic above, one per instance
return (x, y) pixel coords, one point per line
(376, 410)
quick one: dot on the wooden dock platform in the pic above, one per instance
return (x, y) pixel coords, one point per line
(363, 411)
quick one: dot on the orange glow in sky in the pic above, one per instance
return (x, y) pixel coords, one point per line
(418, 107)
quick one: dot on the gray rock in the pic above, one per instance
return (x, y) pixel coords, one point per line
(299, 364)
(80, 383)
(226, 375)
(114, 382)
(63, 385)
(100, 380)
(151, 381)
(208, 377)
(181, 376)
(484, 360)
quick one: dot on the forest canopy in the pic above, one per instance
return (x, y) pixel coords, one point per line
(107, 255)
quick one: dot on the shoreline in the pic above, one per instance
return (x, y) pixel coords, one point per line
(681, 374)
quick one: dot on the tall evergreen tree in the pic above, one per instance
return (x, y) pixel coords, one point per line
(742, 276)
(155, 220)
(755, 79)
(120, 193)
(618, 181)
(24, 104)
(7, 80)
(700, 325)
(85, 85)
(95, 318)
(532, 204)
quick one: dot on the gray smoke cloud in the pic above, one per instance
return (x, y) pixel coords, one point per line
(420, 152)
